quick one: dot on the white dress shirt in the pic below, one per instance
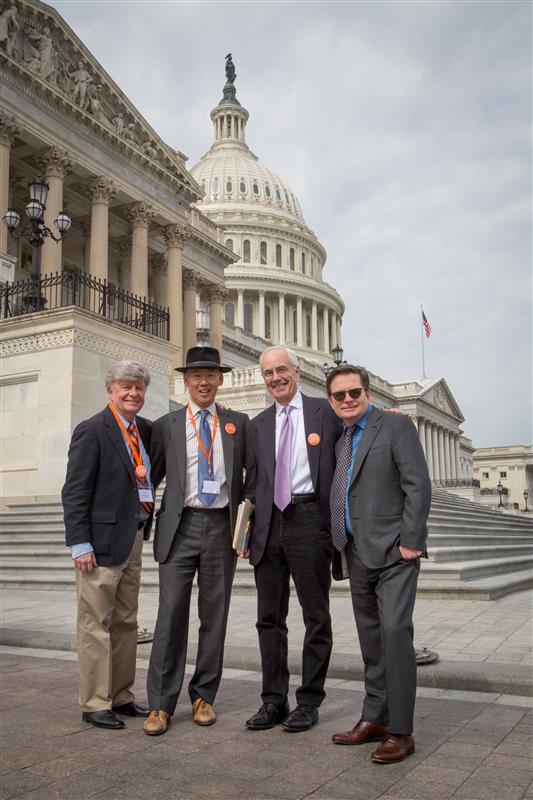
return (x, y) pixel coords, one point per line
(219, 471)
(301, 482)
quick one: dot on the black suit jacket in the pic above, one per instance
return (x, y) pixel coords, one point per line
(100, 495)
(389, 494)
(319, 418)
(168, 458)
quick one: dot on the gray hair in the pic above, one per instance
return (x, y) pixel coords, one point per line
(293, 358)
(127, 371)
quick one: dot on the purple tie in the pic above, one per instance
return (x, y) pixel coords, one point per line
(282, 477)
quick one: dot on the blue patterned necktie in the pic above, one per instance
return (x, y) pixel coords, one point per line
(338, 490)
(204, 473)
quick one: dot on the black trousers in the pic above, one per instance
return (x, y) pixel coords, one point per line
(202, 546)
(298, 546)
(383, 602)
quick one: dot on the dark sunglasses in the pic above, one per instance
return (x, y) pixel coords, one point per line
(354, 394)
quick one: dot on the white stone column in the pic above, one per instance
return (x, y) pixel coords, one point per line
(140, 215)
(281, 319)
(325, 323)
(333, 330)
(216, 300)
(8, 132)
(314, 326)
(429, 449)
(124, 250)
(85, 225)
(457, 457)
(435, 449)
(339, 334)
(299, 337)
(261, 322)
(422, 433)
(158, 266)
(240, 308)
(55, 164)
(190, 283)
(440, 444)
(447, 458)
(101, 191)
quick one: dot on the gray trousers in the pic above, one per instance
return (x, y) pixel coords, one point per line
(383, 602)
(202, 546)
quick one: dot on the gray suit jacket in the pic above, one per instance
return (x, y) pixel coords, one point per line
(390, 492)
(168, 458)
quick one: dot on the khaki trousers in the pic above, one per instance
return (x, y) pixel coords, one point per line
(107, 631)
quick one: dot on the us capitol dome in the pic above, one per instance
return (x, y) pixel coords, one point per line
(275, 292)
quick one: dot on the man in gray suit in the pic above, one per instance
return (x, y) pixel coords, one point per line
(201, 451)
(380, 499)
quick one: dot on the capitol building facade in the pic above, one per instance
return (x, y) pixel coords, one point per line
(158, 258)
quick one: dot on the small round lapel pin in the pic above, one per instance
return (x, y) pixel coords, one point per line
(313, 439)
(230, 428)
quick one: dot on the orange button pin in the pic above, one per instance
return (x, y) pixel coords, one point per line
(313, 439)
(230, 428)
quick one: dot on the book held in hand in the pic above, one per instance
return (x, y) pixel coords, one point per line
(243, 526)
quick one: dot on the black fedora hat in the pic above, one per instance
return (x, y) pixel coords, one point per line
(202, 358)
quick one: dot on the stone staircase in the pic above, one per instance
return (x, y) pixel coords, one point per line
(474, 552)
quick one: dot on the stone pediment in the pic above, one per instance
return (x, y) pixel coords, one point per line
(38, 45)
(439, 395)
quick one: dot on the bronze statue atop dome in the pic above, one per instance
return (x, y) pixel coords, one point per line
(230, 70)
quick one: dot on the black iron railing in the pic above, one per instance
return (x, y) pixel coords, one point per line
(75, 288)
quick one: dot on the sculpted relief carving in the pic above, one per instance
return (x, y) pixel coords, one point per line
(37, 43)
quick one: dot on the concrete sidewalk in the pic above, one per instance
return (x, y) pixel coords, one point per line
(474, 749)
(484, 645)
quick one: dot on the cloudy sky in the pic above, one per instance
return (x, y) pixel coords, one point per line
(404, 130)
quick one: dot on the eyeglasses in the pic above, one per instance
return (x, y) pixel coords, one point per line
(354, 394)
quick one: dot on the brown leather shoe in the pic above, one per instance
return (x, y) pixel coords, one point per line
(362, 733)
(156, 723)
(202, 712)
(394, 748)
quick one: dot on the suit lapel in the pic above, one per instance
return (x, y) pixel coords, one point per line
(117, 439)
(267, 439)
(228, 440)
(313, 419)
(372, 426)
(179, 446)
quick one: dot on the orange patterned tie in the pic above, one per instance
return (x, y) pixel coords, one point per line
(134, 435)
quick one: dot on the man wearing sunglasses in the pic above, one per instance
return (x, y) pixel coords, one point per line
(380, 499)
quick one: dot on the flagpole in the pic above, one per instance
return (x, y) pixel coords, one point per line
(422, 341)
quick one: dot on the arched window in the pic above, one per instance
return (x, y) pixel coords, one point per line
(263, 253)
(216, 186)
(278, 255)
(229, 244)
(229, 313)
(287, 201)
(291, 258)
(303, 263)
(268, 322)
(308, 330)
(229, 186)
(278, 195)
(268, 193)
(246, 251)
(248, 318)
(255, 188)
(242, 186)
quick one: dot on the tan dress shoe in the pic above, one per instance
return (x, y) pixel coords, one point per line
(362, 733)
(156, 723)
(202, 712)
(394, 748)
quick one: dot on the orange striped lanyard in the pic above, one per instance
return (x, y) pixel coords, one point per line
(135, 451)
(209, 454)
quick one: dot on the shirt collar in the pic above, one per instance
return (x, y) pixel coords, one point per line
(196, 409)
(125, 421)
(364, 419)
(296, 402)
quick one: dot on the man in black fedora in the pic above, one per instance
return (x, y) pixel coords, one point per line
(200, 449)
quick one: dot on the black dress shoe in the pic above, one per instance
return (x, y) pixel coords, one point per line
(268, 715)
(103, 719)
(131, 709)
(301, 719)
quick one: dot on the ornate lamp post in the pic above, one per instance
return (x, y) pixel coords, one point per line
(526, 495)
(37, 232)
(499, 488)
(337, 355)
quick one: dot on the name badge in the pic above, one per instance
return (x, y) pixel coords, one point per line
(211, 487)
(146, 496)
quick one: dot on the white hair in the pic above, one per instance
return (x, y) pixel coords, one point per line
(127, 371)
(293, 358)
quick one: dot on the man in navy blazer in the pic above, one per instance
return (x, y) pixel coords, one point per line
(290, 464)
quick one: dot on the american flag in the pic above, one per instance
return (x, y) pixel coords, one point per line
(425, 323)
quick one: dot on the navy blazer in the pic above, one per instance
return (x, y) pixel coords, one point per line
(100, 495)
(320, 419)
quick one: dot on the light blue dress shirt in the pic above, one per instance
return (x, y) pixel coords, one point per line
(358, 435)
